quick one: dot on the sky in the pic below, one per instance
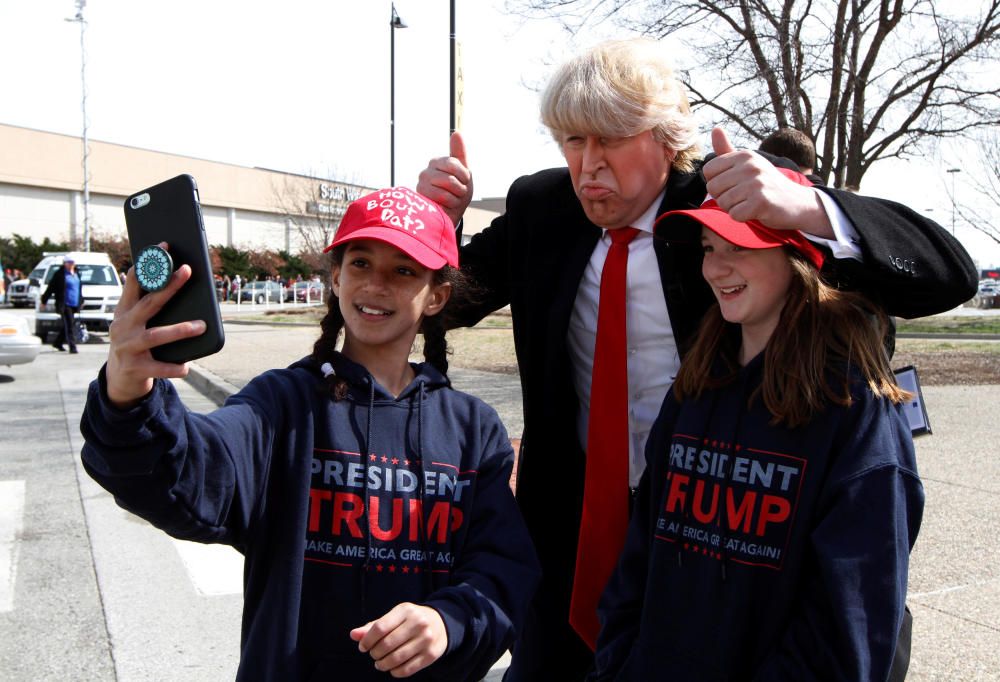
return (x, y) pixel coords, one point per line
(303, 86)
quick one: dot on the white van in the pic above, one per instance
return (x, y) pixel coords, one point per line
(100, 289)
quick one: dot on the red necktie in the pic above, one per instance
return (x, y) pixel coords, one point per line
(605, 492)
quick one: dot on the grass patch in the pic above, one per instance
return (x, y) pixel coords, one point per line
(950, 325)
(932, 346)
(314, 315)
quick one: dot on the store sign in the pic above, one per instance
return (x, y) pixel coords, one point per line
(320, 208)
(338, 196)
(338, 192)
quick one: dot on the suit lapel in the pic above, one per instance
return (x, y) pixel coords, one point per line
(575, 264)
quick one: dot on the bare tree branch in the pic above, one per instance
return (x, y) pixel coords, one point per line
(313, 206)
(984, 179)
(867, 79)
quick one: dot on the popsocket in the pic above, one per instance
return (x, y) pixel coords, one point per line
(153, 268)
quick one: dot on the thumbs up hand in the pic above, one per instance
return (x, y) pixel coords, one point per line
(748, 187)
(720, 142)
(447, 180)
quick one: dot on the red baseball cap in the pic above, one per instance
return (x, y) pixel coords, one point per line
(402, 218)
(752, 234)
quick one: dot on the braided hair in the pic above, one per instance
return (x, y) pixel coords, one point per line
(433, 327)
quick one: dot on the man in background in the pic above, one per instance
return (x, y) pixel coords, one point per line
(65, 288)
(796, 146)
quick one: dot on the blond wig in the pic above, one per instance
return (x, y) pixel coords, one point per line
(622, 88)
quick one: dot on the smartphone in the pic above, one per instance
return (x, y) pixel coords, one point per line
(171, 212)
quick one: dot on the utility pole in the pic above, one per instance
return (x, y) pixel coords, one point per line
(452, 117)
(80, 4)
(394, 22)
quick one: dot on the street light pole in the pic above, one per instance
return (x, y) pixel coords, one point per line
(952, 172)
(80, 4)
(394, 22)
(452, 118)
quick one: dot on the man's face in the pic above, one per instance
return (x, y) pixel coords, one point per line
(616, 178)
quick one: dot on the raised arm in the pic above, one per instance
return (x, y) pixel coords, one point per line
(912, 266)
(448, 181)
(173, 467)
(908, 264)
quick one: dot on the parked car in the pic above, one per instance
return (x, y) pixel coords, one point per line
(258, 292)
(23, 292)
(988, 295)
(100, 288)
(17, 344)
(305, 292)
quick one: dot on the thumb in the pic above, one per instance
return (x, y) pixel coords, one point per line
(457, 147)
(358, 633)
(720, 142)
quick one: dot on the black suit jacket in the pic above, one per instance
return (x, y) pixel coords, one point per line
(533, 257)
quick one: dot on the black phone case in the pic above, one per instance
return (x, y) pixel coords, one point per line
(173, 215)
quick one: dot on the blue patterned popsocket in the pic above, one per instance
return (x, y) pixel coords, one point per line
(153, 268)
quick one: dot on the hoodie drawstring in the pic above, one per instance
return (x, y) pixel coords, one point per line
(368, 450)
(422, 526)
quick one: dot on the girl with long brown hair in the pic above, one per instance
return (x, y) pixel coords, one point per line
(772, 529)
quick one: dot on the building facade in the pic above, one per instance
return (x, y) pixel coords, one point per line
(41, 194)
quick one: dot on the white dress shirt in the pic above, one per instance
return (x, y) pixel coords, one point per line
(653, 359)
(652, 351)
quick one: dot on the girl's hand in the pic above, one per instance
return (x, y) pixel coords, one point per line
(131, 367)
(406, 640)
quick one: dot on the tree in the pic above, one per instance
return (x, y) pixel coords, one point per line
(22, 253)
(866, 79)
(294, 266)
(232, 261)
(981, 211)
(264, 264)
(116, 246)
(314, 205)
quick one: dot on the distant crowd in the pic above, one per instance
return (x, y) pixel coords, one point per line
(228, 288)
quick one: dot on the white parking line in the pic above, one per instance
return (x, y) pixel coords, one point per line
(213, 569)
(11, 524)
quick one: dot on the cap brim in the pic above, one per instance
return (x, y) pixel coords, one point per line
(741, 234)
(415, 249)
(726, 227)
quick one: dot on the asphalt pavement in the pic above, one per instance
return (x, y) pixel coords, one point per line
(98, 595)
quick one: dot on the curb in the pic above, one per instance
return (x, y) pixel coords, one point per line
(210, 385)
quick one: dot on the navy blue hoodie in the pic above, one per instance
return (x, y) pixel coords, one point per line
(758, 552)
(343, 509)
